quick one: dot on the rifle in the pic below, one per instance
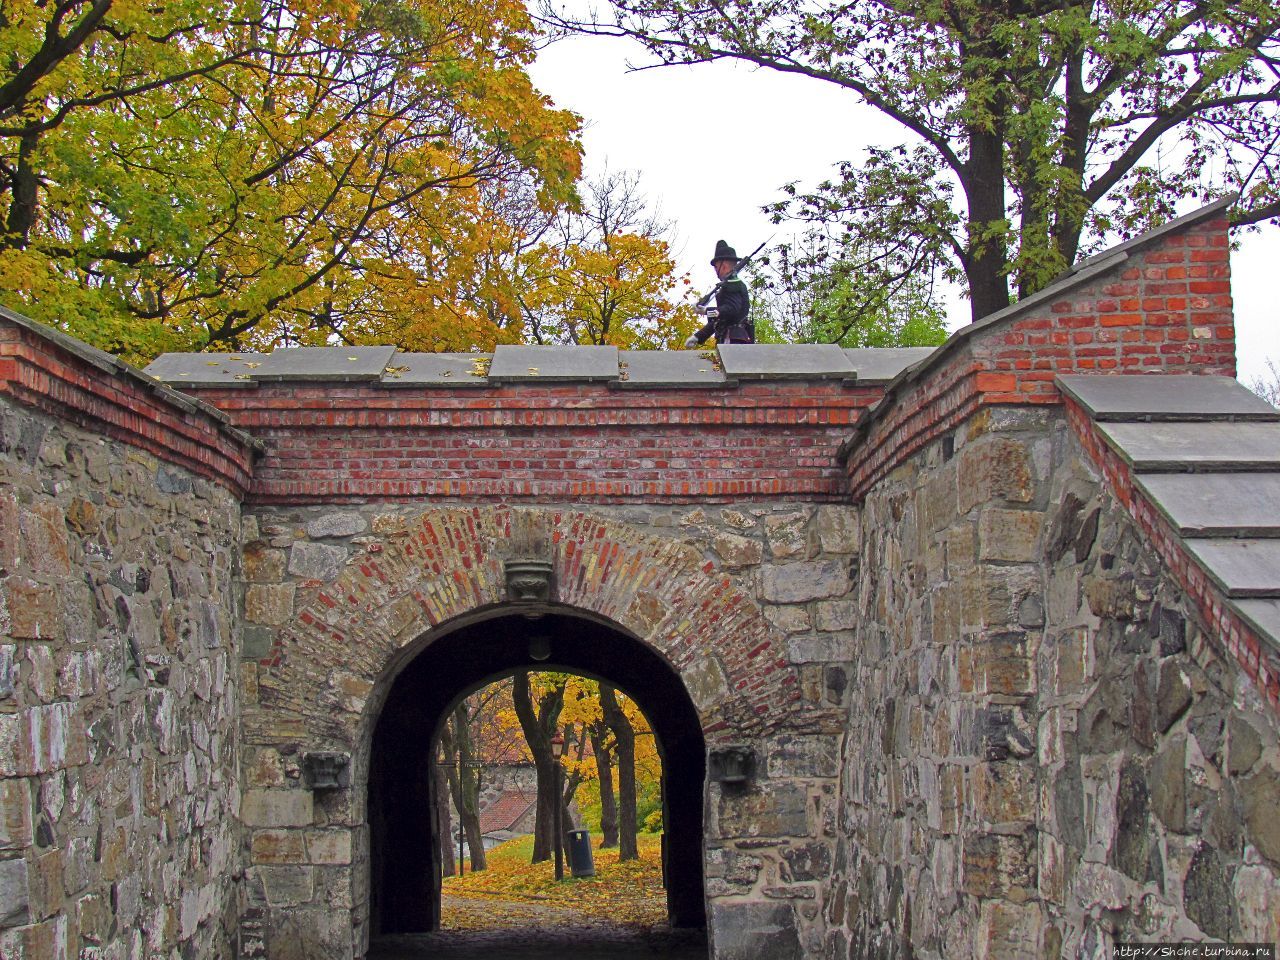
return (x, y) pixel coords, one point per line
(732, 275)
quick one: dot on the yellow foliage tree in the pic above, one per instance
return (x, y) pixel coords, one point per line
(237, 174)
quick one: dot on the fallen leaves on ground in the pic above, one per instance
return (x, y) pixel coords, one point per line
(514, 891)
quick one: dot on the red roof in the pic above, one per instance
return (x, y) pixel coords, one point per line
(506, 811)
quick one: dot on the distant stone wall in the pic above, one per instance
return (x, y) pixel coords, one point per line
(118, 702)
(1046, 753)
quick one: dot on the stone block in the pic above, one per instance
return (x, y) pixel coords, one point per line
(1010, 535)
(737, 552)
(277, 808)
(748, 930)
(803, 756)
(344, 524)
(15, 814)
(328, 846)
(994, 469)
(270, 604)
(837, 615)
(278, 846)
(1003, 793)
(999, 866)
(769, 810)
(42, 739)
(263, 564)
(828, 648)
(801, 582)
(787, 535)
(1009, 929)
(788, 619)
(286, 886)
(996, 665)
(839, 529)
(316, 561)
(15, 900)
(34, 610)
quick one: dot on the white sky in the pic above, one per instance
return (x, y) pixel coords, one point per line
(714, 143)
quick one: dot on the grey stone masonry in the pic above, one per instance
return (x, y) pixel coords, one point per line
(1047, 753)
(118, 708)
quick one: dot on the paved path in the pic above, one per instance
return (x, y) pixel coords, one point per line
(531, 931)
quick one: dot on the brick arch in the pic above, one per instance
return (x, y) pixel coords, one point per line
(328, 670)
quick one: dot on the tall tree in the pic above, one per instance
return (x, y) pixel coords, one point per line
(539, 719)
(625, 740)
(462, 769)
(1034, 128)
(602, 747)
(176, 174)
(603, 274)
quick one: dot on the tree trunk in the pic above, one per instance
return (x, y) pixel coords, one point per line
(608, 805)
(987, 264)
(538, 725)
(448, 865)
(464, 783)
(625, 740)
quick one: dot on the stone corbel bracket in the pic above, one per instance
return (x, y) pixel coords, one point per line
(326, 771)
(530, 582)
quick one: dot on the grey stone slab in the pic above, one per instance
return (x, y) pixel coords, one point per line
(1265, 617)
(1166, 397)
(1217, 504)
(205, 369)
(554, 363)
(1169, 446)
(882, 364)
(669, 368)
(786, 361)
(437, 370)
(1242, 568)
(325, 363)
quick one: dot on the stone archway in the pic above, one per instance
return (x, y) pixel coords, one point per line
(404, 867)
(423, 576)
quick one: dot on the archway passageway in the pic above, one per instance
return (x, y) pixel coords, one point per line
(404, 850)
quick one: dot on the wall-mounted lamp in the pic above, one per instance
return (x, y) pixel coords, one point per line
(731, 765)
(539, 647)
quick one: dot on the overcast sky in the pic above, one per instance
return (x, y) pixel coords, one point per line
(714, 143)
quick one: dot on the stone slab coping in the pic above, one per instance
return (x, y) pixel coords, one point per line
(206, 369)
(1167, 447)
(1242, 568)
(648, 369)
(1217, 504)
(1264, 615)
(786, 361)
(533, 363)
(1166, 397)
(437, 370)
(325, 363)
(882, 364)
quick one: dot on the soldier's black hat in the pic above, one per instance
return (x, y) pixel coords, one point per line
(724, 252)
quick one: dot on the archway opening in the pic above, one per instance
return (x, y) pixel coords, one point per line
(405, 869)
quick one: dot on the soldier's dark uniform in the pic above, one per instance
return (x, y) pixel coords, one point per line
(733, 324)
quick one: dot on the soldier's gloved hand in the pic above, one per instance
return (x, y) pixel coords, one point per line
(691, 343)
(700, 309)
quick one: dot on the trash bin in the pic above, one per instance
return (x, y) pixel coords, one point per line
(580, 860)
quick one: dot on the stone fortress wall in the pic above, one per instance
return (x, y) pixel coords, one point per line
(119, 652)
(994, 716)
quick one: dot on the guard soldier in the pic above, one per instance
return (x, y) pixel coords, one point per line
(729, 319)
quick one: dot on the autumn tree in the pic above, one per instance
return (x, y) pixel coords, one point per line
(604, 274)
(625, 749)
(238, 174)
(1034, 130)
(538, 710)
(462, 768)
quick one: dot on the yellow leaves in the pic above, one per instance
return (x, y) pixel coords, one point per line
(628, 893)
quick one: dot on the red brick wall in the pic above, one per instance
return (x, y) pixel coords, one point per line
(561, 443)
(36, 372)
(1163, 307)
